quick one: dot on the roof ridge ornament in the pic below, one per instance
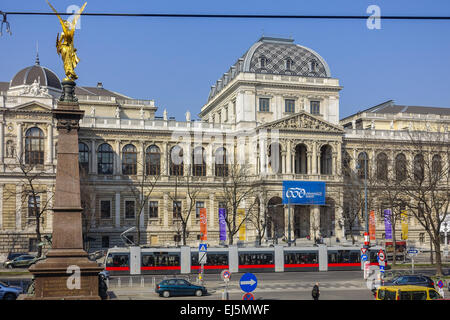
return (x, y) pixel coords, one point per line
(37, 54)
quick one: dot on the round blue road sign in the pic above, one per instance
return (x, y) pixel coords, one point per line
(248, 282)
(248, 296)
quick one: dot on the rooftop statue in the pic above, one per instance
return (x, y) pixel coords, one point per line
(64, 44)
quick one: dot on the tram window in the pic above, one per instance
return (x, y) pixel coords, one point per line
(212, 259)
(117, 260)
(300, 257)
(160, 260)
(255, 258)
(344, 256)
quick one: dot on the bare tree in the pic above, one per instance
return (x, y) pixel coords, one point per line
(141, 189)
(257, 218)
(87, 194)
(353, 199)
(427, 184)
(193, 188)
(31, 178)
(237, 188)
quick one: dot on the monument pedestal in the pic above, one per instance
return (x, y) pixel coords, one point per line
(66, 273)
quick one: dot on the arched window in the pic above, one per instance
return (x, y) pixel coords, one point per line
(153, 161)
(382, 166)
(436, 167)
(176, 161)
(275, 157)
(400, 167)
(363, 165)
(105, 159)
(313, 65)
(262, 61)
(83, 157)
(34, 146)
(419, 168)
(326, 160)
(129, 160)
(288, 64)
(301, 163)
(221, 166)
(198, 162)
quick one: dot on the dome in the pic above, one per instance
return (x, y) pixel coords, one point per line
(283, 56)
(42, 75)
(276, 56)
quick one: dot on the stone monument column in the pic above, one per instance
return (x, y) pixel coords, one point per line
(66, 273)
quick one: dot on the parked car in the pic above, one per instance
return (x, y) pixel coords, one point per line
(13, 255)
(406, 293)
(23, 261)
(179, 287)
(414, 279)
(9, 292)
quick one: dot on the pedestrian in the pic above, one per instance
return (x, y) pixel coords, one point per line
(315, 291)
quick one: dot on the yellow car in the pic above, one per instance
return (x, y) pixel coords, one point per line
(406, 293)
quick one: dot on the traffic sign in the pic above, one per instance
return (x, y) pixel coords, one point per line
(248, 296)
(202, 257)
(381, 268)
(381, 255)
(413, 251)
(225, 274)
(363, 250)
(202, 247)
(248, 282)
(440, 284)
(364, 257)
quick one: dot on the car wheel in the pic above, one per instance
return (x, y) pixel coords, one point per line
(198, 293)
(9, 296)
(166, 294)
(10, 266)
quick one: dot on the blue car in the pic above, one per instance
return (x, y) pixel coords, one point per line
(9, 292)
(179, 287)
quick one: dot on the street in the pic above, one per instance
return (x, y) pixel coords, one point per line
(334, 285)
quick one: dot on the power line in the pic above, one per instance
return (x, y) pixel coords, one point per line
(233, 16)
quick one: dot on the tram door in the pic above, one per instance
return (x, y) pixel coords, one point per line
(301, 221)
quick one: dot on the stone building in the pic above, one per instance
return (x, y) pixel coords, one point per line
(276, 110)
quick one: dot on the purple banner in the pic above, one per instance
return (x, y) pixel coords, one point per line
(387, 224)
(222, 225)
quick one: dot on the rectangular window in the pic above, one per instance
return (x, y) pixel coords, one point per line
(33, 207)
(198, 205)
(105, 241)
(105, 209)
(176, 209)
(226, 114)
(264, 104)
(32, 245)
(153, 209)
(289, 105)
(129, 209)
(315, 107)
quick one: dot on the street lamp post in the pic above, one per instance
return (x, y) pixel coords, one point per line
(365, 192)
(289, 222)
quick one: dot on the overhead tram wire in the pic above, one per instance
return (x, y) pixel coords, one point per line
(234, 16)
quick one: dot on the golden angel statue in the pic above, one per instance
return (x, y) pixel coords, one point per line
(64, 44)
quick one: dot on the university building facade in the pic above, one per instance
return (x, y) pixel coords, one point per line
(275, 111)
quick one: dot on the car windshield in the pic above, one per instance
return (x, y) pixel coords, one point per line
(3, 284)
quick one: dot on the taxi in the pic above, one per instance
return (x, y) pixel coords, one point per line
(406, 293)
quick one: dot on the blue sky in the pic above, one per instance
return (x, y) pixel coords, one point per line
(175, 61)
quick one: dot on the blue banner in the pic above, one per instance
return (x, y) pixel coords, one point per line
(304, 192)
